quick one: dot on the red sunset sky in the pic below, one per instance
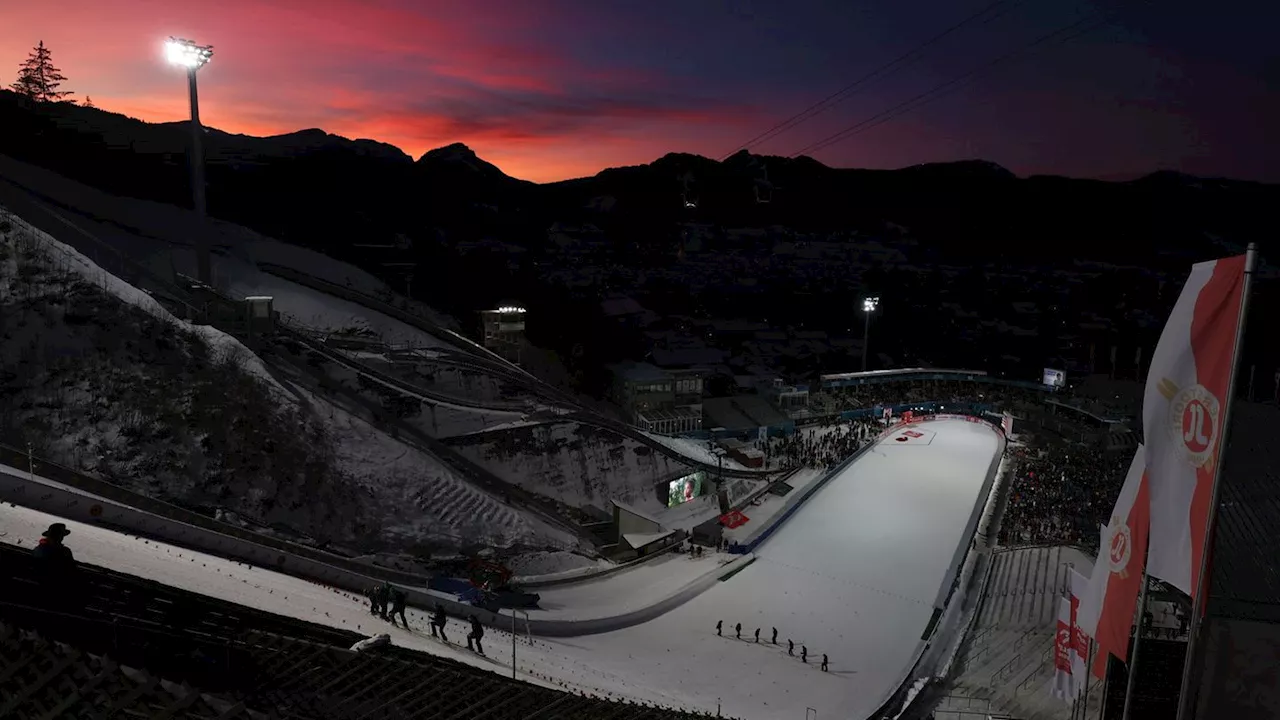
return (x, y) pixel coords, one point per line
(552, 89)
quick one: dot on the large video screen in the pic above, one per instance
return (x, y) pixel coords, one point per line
(1054, 378)
(685, 489)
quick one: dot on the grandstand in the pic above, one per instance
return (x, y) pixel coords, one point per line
(109, 641)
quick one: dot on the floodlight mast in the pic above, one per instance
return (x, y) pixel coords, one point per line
(187, 54)
(869, 306)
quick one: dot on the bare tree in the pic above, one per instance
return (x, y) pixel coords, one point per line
(38, 79)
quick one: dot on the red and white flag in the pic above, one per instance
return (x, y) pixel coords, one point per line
(1063, 686)
(1107, 605)
(1079, 638)
(1183, 412)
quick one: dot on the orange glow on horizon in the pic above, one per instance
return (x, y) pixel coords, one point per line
(416, 79)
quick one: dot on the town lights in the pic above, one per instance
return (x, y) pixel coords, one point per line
(507, 309)
(869, 305)
(192, 57)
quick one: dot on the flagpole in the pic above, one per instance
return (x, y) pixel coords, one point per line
(1132, 680)
(1185, 710)
(1088, 665)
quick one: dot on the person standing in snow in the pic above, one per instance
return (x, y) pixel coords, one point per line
(398, 600)
(438, 622)
(775, 636)
(719, 626)
(477, 632)
(384, 599)
(791, 648)
(757, 634)
(824, 662)
(372, 594)
(804, 654)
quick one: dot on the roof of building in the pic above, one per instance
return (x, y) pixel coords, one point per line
(685, 357)
(638, 541)
(638, 513)
(639, 372)
(619, 306)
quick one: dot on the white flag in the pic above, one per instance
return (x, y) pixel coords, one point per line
(1184, 410)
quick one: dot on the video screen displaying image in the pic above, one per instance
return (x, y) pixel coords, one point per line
(685, 489)
(1054, 378)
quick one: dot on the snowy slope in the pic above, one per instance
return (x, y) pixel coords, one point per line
(853, 574)
(37, 263)
(300, 305)
(422, 502)
(574, 463)
(104, 379)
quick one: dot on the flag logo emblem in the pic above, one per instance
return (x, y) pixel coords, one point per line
(1121, 547)
(1194, 421)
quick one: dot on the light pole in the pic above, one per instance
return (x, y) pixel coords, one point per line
(868, 307)
(187, 54)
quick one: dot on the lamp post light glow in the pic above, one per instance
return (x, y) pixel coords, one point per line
(186, 54)
(869, 306)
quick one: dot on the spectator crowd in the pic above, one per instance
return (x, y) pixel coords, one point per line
(825, 445)
(1061, 494)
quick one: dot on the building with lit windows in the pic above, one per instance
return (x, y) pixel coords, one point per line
(502, 330)
(657, 400)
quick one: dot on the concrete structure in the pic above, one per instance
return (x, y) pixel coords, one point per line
(502, 330)
(260, 319)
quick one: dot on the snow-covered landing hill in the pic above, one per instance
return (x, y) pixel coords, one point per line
(97, 375)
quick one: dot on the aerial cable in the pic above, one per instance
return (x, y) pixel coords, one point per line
(844, 93)
(1063, 34)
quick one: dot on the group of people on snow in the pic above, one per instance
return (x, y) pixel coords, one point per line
(773, 640)
(388, 601)
(825, 445)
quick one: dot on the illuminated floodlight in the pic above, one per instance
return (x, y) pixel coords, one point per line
(869, 304)
(510, 309)
(187, 54)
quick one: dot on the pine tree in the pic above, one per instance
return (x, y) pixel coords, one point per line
(38, 79)
(88, 102)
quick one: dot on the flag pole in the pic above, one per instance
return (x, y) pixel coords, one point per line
(1185, 711)
(1132, 673)
(1088, 664)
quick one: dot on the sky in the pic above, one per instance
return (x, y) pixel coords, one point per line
(553, 89)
